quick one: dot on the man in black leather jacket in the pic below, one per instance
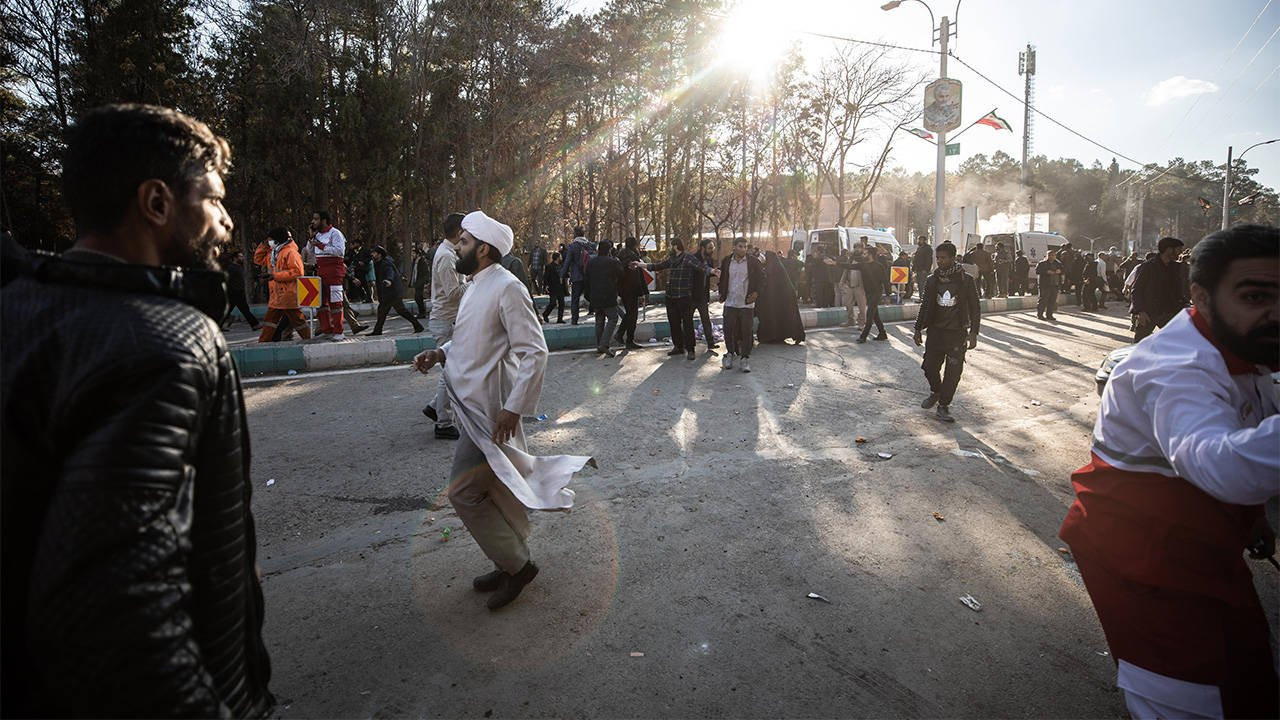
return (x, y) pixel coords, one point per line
(128, 554)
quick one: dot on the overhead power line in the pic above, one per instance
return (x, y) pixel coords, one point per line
(1225, 60)
(1045, 115)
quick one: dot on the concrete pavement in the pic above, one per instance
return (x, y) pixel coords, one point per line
(678, 585)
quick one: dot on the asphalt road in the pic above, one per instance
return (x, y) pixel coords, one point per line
(678, 585)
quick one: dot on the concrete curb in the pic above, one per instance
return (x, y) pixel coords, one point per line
(539, 302)
(280, 358)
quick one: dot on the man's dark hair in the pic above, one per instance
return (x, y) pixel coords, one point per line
(555, 257)
(579, 231)
(632, 243)
(453, 224)
(380, 250)
(604, 248)
(1168, 242)
(707, 243)
(323, 215)
(1211, 257)
(739, 241)
(494, 253)
(116, 148)
(946, 247)
(278, 234)
(677, 243)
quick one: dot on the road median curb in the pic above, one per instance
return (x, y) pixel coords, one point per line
(280, 358)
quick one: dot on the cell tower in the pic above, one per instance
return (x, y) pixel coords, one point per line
(1027, 69)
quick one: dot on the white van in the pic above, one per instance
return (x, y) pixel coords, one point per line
(1034, 244)
(848, 238)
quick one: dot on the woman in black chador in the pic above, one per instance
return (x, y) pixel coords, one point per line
(779, 315)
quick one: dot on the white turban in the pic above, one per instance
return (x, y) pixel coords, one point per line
(486, 229)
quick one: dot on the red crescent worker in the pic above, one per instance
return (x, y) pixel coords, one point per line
(330, 247)
(1185, 452)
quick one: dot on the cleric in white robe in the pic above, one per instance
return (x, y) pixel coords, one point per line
(493, 370)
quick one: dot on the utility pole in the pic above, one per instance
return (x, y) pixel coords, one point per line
(940, 180)
(1226, 180)
(1142, 197)
(1226, 192)
(1027, 69)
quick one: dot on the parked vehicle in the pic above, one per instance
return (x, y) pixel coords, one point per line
(1115, 357)
(1035, 244)
(835, 239)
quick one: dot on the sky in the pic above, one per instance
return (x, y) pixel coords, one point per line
(1152, 80)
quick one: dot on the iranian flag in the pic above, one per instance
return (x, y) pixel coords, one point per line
(991, 119)
(920, 133)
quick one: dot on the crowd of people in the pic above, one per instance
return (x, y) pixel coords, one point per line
(856, 279)
(131, 586)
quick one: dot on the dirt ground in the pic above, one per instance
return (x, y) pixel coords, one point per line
(677, 586)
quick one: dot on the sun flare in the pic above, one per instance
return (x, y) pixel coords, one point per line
(754, 37)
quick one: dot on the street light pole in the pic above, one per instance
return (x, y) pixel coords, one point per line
(940, 176)
(1226, 181)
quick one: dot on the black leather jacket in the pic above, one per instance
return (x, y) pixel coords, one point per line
(128, 551)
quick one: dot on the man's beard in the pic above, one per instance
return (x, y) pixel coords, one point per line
(1261, 345)
(202, 253)
(468, 262)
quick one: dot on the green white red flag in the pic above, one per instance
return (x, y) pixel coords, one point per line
(920, 133)
(993, 120)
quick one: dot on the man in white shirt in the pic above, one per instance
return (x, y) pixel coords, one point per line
(329, 246)
(1186, 450)
(741, 279)
(447, 288)
(498, 344)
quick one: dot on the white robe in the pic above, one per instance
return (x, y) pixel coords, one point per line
(496, 361)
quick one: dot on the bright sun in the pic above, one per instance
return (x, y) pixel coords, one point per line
(754, 37)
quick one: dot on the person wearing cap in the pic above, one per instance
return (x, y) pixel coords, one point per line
(493, 370)
(1157, 289)
(390, 291)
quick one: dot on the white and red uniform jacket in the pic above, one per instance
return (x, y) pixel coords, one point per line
(1186, 449)
(331, 243)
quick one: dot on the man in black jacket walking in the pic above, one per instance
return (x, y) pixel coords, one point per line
(950, 311)
(600, 285)
(1157, 290)
(702, 293)
(422, 275)
(573, 268)
(922, 264)
(390, 291)
(128, 548)
(631, 288)
(236, 291)
(1021, 274)
(875, 278)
